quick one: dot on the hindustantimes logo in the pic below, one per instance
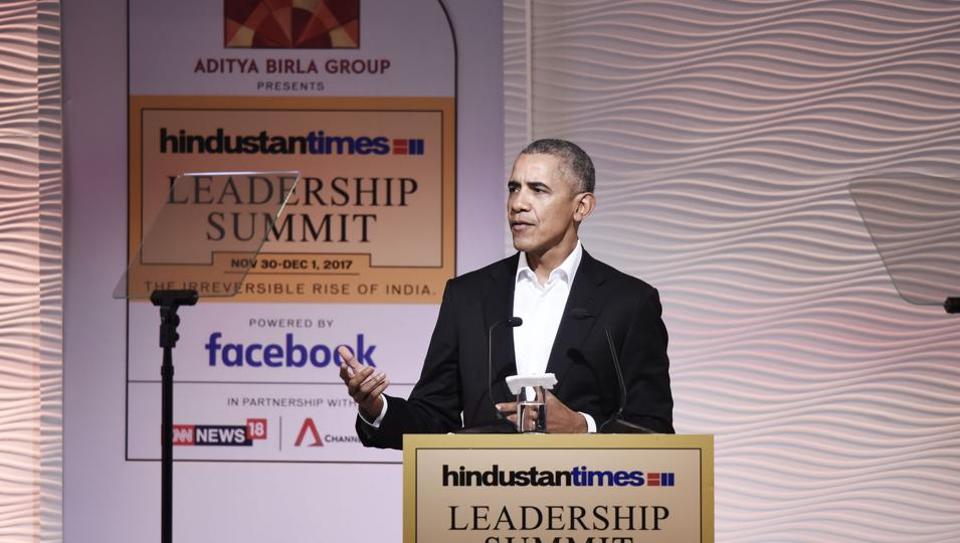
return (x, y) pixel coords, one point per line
(315, 142)
(581, 476)
(220, 435)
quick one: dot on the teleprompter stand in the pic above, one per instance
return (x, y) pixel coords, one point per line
(175, 264)
(169, 301)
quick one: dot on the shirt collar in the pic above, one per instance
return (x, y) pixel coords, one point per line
(567, 269)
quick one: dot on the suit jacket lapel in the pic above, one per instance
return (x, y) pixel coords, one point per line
(497, 306)
(573, 331)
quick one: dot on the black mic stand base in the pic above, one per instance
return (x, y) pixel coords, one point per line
(502, 426)
(619, 426)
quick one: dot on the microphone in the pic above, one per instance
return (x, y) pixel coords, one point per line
(512, 322)
(501, 425)
(616, 424)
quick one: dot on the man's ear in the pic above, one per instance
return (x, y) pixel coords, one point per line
(586, 203)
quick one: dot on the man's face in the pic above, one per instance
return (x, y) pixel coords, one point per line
(542, 205)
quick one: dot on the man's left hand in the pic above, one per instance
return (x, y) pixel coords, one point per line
(560, 418)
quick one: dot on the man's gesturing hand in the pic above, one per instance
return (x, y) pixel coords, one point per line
(364, 385)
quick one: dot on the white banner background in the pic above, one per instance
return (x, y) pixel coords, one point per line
(109, 499)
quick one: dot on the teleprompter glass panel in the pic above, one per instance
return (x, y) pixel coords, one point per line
(914, 221)
(205, 231)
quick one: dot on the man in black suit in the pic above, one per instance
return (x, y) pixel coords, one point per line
(568, 301)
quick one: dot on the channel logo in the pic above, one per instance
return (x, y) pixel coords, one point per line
(219, 435)
(309, 436)
(308, 426)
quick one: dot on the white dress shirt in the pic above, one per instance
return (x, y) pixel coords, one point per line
(541, 305)
(541, 308)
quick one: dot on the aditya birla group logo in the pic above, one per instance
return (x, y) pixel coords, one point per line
(291, 24)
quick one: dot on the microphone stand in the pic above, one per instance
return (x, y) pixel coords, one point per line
(616, 424)
(501, 425)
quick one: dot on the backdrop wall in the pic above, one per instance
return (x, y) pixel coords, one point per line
(725, 135)
(31, 282)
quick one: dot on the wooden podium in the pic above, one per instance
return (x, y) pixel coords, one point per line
(557, 488)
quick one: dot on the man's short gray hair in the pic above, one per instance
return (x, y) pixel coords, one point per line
(575, 159)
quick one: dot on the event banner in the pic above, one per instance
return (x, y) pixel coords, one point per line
(359, 99)
(586, 488)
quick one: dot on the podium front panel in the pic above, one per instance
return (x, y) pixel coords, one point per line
(558, 488)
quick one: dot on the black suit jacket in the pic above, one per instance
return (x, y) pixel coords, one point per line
(455, 375)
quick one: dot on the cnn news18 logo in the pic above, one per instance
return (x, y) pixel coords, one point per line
(220, 435)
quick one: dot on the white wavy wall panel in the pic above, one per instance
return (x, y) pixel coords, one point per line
(516, 80)
(725, 135)
(30, 273)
